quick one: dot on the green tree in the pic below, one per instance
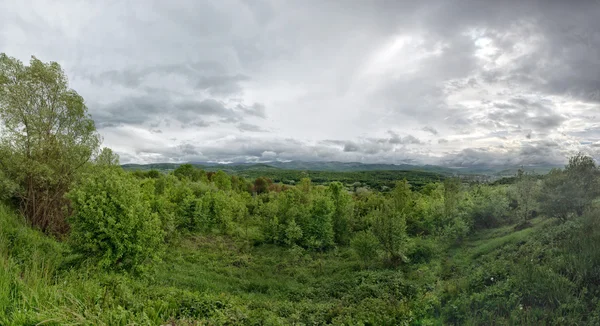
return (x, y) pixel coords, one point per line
(318, 233)
(554, 197)
(216, 211)
(222, 180)
(583, 177)
(389, 226)
(342, 203)
(451, 196)
(487, 207)
(293, 233)
(572, 190)
(48, 137)
(239, 184)
(401, 197)
(107, 157)
(526, 193)
(8, 187)
(188, 171)
(366, 246)
(112, 221)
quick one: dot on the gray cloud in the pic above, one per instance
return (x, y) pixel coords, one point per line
(410, 140)
(189, 112)
(256, 109)
(431, 130)
(250, 127)
(502, 81)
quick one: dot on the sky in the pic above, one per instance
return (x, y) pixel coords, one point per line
(452, 83)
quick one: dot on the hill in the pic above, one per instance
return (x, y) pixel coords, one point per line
(540, 275)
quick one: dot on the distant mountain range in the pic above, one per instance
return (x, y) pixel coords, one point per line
(497, 171)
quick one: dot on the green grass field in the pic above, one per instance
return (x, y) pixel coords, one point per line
(495, 276)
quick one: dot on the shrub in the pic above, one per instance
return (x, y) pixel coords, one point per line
(489, 207)
(366, 245)
(215, 211)
(112, 223)
(389, 226)
(343, 207)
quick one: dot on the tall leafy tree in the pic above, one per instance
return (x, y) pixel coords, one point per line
(222, 180)
(342, 203)
(319, 231)
(584, 177)
(526, 191)
(572, 190)
(188, 171)
(451, 196)
(389, 226)
(47, 137)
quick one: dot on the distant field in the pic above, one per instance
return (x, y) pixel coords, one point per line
(374, 178)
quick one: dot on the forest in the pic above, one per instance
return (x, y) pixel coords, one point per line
(382, 180)
(85, 242)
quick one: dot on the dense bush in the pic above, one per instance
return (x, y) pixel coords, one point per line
(366, 246)
(112, 223)
(489, 207)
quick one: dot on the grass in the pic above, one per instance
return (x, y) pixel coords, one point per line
(545, 274)
(487, 241)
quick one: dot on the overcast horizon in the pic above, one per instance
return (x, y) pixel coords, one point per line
(451, 83)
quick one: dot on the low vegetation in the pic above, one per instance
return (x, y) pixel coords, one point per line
(84, 242)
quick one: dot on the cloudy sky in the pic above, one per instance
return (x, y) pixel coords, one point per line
(438, 82)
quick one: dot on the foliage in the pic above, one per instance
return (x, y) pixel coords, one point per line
(545, 274)
(222, 180)
(245, 252)
(489, 207)
(47, 138)
(570, 191)
(342, 214)
(8, 187)
(318, 231)
(372, 179)
(366, 246)
(112, 222)
(188, 171)
(526, 191)
(261, 185)
(389, 226)
(215, 210)
(584, 177)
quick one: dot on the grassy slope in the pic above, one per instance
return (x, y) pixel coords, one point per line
(496, 277)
